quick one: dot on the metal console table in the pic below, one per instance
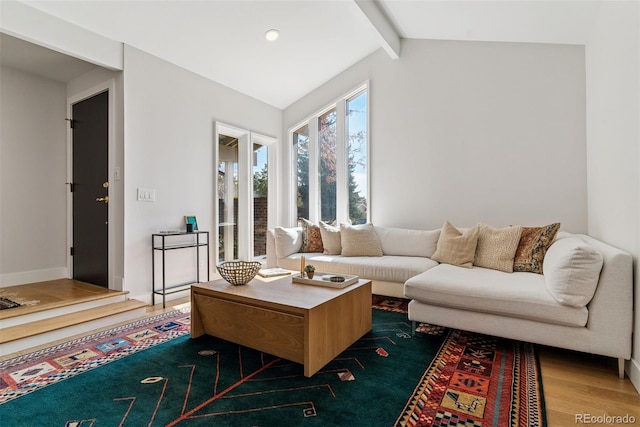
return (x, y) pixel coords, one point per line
(160, 243)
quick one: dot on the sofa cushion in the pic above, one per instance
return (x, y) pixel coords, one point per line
(522, 295)
(330, 239)
(533, 245)
(497, 247)
(359, 240)
(387, 268)
(311, 237)
(405, 242)
(456, 247)
(572, 270)
(288, 240)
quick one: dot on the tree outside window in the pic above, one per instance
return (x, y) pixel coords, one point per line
(356, 178)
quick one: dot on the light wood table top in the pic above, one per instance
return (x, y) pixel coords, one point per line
(307, 324)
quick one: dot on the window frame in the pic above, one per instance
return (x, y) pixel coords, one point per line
(342, 170)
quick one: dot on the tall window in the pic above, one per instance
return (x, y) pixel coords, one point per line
(358, 158)
(227, 198)
(331, 162)
(328, 175)
(301, 147)
(260, 200)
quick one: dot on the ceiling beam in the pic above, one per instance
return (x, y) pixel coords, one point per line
(388, 37)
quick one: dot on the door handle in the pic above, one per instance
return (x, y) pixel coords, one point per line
(103, 199)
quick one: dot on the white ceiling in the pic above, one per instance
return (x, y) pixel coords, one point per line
(224, 40)
(22, 55)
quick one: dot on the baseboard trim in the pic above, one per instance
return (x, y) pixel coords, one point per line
(12, 279)
(633, 370)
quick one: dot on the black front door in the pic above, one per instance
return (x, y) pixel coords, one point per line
(90, 190)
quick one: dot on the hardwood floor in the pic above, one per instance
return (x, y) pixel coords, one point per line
(51, 294)
(574, 383)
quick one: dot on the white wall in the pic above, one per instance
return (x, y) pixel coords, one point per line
(18, 19)
(613, 138)
(32, 178)
(471, 131)
(169, 146)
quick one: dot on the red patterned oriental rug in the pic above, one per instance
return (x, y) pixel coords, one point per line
(478, 380)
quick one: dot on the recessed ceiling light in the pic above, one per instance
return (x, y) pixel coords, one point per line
(271, 35)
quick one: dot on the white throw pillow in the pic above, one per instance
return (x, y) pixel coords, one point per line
(288, 241)
(359, 240)
(406, 242)
(571, 271)
(330, 239)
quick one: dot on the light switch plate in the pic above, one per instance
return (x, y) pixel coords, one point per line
(146, 195)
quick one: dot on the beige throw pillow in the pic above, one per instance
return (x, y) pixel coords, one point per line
(497, 247)
(359, 240)
(456, 248)
(330, 239)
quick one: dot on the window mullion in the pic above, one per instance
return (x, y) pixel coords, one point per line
(245, 208)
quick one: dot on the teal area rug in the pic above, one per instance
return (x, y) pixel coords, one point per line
(151, 373)
(176, 380)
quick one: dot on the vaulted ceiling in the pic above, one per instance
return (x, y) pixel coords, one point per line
(224, 40)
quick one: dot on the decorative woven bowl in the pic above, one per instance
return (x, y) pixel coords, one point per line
(239, 272)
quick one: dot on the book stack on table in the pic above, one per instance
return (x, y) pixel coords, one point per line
(273, 272)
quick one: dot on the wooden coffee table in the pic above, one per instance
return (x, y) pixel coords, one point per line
(306, 324)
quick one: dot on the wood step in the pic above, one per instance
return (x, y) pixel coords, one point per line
(20, 337)
(56, 294)
(49, 312)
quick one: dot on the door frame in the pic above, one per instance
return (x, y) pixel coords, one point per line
(246, 139)
(108, 85)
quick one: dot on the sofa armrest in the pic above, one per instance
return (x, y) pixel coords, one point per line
(611, 309)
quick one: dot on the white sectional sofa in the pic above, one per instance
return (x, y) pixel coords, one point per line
(557, 308)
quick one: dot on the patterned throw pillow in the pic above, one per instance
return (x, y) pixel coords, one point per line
(311, 238)
(533, 245)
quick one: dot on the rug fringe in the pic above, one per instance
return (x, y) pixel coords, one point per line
(13, 296)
